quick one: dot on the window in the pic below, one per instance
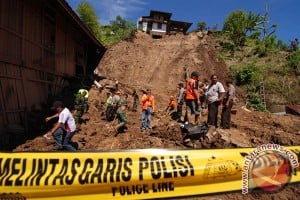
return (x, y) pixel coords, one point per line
(159, 25)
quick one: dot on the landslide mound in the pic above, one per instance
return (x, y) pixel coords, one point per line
(160, 64)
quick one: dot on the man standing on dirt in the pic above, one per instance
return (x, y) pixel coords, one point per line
(121, 116)
(64, 128)
(215, 94)
(295, 44)
(227, 105)
(180, 99)
(109, 106)
(115, 100)
(147, 109)
(80, 105)
(135, 97)
(86, 97)
(192, 98)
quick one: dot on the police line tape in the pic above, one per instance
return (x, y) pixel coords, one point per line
(133, 174)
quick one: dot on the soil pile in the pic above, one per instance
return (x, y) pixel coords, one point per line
(160, 64)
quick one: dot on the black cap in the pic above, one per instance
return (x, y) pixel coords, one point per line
(57, 104)
(195, 73)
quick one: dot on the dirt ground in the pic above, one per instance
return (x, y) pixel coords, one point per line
(159, 64)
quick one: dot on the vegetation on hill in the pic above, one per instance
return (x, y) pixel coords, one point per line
(248, 45)
(257, 59)
(118, 29)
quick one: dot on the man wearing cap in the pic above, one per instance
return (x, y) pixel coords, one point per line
(192, 98)
(65, 126)
(85, 94)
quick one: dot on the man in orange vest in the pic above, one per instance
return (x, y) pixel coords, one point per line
(147, 109)
(192, 98)
(172, 104)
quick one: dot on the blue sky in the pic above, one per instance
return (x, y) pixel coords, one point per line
(284, 13)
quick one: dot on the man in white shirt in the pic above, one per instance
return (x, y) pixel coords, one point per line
(65, 126)
(215, 94)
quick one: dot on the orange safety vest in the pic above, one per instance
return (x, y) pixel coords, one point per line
(147, 102)
(151, 102)
(172, 103)
(144, 102)
(189, 94)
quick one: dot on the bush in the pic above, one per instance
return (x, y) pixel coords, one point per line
(255, 36)
(260, 50)
(254, 99)
(293, 61)
(244, 75)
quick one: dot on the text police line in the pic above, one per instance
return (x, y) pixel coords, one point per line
(35, 172)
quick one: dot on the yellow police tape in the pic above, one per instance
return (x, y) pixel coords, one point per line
(135, 174)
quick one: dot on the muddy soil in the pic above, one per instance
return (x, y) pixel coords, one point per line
(160, 64)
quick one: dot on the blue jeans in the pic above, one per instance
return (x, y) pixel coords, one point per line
(146, 118)
(63, 142)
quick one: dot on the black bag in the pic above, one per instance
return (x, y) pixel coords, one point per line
(194, 132)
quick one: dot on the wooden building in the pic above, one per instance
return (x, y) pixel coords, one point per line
(43, 43)
(159, 23)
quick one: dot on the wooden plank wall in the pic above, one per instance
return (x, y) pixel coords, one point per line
(13, 101)
(38, 48)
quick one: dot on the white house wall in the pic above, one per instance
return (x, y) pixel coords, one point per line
(156, 29)
(145, 24)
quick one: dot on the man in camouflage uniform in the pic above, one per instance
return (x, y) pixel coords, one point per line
(109, 107)
(121, 115)
(80, 105)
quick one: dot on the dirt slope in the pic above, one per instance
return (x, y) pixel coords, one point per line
(159, 64)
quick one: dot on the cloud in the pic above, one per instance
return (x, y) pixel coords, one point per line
(107, 10)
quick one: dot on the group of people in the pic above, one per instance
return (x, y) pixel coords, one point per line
(195, 95)
(117, 105)
(198, 96)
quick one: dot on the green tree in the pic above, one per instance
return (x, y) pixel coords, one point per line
(267, 45)
(245, 75)
(120, 29)
(238, 24)
(88, 16)
(201, 26)
(234, 27)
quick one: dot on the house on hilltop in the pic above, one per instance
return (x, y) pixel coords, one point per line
(159, 23)
(44, 45)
